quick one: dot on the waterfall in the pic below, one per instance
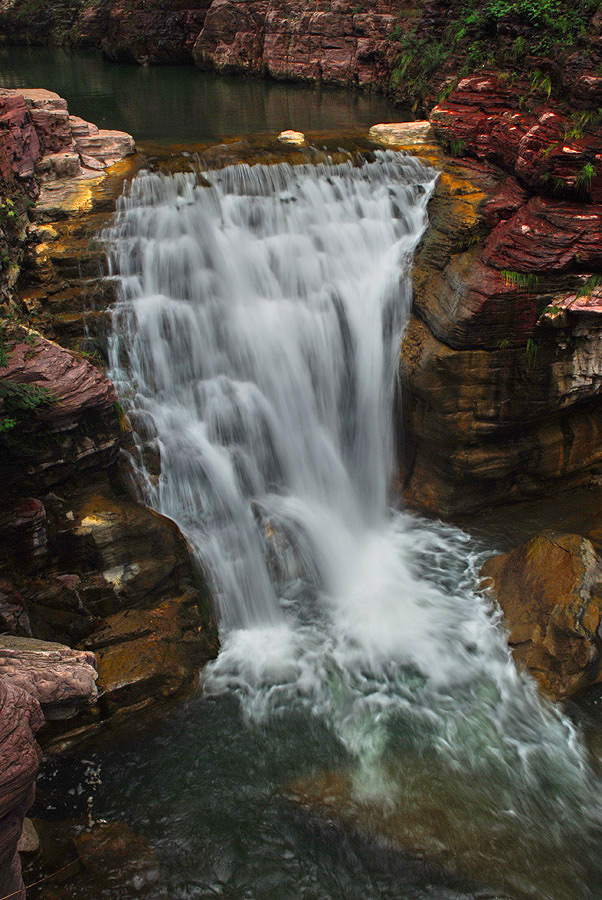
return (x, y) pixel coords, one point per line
(254, 347)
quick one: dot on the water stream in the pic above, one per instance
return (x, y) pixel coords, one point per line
(254, 347)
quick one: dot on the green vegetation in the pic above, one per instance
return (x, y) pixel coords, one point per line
(583, 182)
(525, 281)
(475, 34)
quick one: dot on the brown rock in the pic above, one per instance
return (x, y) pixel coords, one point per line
(115, 850)
(550, 590)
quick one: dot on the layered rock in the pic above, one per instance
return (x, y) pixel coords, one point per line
(20, 755)
(38, 134)
(500, 363)
(556, 633)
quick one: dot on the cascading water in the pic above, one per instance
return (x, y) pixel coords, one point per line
(255, 346)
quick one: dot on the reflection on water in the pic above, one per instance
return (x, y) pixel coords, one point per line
(179, 104)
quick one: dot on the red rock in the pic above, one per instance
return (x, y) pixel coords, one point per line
(310, 40)
(547, 236)
(20, 718)
(57, 676)
(74, 384)
(23, 524)
(13, 615)
(481, 118)
(505, 202)
(19, 143)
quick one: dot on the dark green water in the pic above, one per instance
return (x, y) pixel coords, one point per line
(179, 104)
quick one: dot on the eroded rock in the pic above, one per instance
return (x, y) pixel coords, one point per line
(550, 591)
(20, 755)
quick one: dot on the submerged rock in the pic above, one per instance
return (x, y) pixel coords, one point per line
(550, 591)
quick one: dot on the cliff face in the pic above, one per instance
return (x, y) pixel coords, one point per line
(83, 563)
(501, 361)
(338, 43)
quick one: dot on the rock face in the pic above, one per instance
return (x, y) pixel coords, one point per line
(500, 362)
(73, 428)
(550, 590)
(20, 718)
(59, 678)
(339, 43)
(37, 134)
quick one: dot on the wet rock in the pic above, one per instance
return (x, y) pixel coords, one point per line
(54, 440)
(550, 591)
(20, 718)
(114, 849)
(29, 842)
(60, 679)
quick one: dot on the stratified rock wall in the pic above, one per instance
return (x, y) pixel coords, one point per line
(502, 361)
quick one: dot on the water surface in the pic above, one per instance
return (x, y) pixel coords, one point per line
(180, 104)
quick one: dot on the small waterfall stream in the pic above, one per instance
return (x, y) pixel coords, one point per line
(254, 348)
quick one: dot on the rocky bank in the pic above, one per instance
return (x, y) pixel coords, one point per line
(103, 613)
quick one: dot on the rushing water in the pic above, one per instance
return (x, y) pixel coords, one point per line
(255, 348)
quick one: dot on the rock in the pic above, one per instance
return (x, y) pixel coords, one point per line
(29, 842)
(292, 137)
(106, 146)
(77, 394)
(60, 165)
(550, 591)
(547, 236)
(394, 133)
(13, 614)
(20, 718)
(19, 142)
(58, 677)
(114, 849)
(304, 41)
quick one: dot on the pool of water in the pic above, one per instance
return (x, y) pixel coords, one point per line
(180, 104)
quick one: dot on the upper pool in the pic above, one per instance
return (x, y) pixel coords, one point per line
(180, 104)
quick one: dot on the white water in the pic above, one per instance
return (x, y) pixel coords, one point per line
(255, 349)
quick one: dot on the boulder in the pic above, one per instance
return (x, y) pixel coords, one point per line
(20, 755)
(550, 591)
(115, 851)
(61, 679)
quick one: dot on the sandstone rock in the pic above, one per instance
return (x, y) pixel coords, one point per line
(60, 165)
(13, 614)
(19, 143)
(550, 590)
(61, 679)
(547, 236)
(20, 718)
(292, 137)
(305, 41)
(77, 394)
(403, 133)
(106, 146)
(23, 524)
